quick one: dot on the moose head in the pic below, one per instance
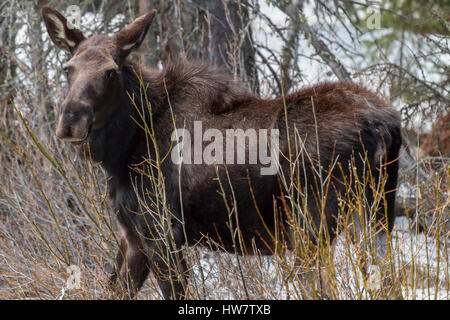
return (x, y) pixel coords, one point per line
(93, 72)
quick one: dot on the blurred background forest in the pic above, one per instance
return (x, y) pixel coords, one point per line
(398, 49)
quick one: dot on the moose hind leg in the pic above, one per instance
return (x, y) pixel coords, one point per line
(385, 219)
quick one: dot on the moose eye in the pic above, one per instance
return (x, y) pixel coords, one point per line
(110, 74)
(66, 70)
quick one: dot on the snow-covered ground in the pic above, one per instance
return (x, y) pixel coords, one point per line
(422, 253)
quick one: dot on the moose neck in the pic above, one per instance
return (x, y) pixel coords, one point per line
(121, 143)
(138, 78)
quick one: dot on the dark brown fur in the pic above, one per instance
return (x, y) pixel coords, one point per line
(98, 112)
(437, 142)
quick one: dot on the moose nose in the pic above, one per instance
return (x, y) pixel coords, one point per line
(63, 131)
(75, 121)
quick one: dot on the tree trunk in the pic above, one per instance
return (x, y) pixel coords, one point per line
(201, 29)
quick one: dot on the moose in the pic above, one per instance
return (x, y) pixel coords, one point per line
(112, 102)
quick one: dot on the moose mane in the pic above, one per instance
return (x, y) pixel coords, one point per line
(213, 89)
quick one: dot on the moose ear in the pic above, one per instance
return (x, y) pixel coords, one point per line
(131, 36)
(63, 33)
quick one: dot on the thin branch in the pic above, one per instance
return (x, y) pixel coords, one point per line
(319, 46)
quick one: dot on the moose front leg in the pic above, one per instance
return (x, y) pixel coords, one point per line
(132, 266)
(120, 257)
(168, 263)
(170, 271)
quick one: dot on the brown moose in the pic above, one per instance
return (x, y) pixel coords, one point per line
(340, 122)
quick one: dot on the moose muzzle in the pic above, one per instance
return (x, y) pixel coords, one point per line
(75, 122)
